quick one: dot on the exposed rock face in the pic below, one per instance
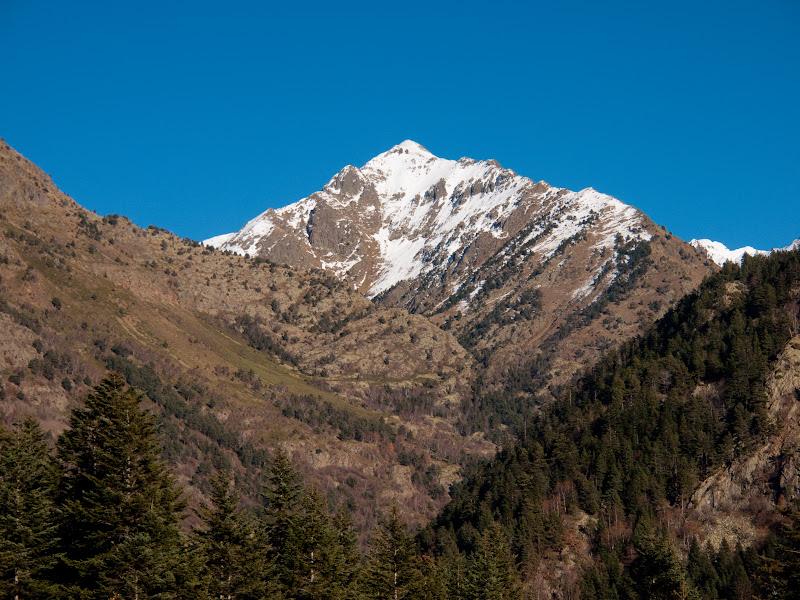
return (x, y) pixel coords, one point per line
(508, 264)
(770, 471)
(784, 407)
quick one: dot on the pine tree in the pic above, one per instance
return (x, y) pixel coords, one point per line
(391, 569)
(282, 498)
(234, 566)
(27, 524)
(493, 574)
(119, 505)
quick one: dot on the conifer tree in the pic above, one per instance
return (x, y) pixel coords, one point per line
(453, 571)
(234, 566)
(119, 504)
(27, 525)
(325, 562)
(391, 569)
(350, 560)
(701, 571)
(431, 580)
(778, 576)
(282, 497)
(493, 574)
(657, 572)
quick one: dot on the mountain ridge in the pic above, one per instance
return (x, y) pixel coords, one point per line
(236, 356)
(424, 202)
(504, 261)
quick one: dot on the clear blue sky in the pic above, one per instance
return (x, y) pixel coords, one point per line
(196, 116)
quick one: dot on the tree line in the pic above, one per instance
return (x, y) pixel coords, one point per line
(99, 517)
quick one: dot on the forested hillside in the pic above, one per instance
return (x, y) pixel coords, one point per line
(599, 488)
(99, 515)
(100, 518)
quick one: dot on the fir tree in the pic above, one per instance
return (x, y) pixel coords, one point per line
(778, 574)
(326, 566)
(701, 571)
(119, 505)
(493, 574)
(454, 574)
(391, 569)
(350, 560)
(234, 566)
(282, 498)
(431, 580)
(657, 572)
(27, 525)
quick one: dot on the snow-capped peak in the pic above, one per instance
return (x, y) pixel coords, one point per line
(407, 212)
(396, 169)
(795, 245)
(218, 240)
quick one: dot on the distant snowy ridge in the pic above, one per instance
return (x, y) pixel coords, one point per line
(720, 254)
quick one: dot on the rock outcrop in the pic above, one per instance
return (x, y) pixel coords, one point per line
(766, 475)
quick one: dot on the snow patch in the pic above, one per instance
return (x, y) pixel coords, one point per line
(218, 240)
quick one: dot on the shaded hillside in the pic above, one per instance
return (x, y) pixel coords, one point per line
(621, 452)
(530, 331)
(236, 355)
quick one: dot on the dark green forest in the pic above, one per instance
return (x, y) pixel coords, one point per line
(631, 440)
(96, 513)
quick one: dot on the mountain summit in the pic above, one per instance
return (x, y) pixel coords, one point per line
(407, 212)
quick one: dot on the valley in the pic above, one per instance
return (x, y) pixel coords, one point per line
(490, 361)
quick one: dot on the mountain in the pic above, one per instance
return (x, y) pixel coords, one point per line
(720, 254)
(408, 213)
(684, 434)
(531, 278)
(235, 355)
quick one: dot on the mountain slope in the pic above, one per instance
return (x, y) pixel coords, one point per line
(690, 429)
(513, 267)
(236, 355)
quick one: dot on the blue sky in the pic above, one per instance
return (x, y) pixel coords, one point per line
(196, 116)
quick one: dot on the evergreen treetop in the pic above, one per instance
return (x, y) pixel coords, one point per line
(120, 506)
